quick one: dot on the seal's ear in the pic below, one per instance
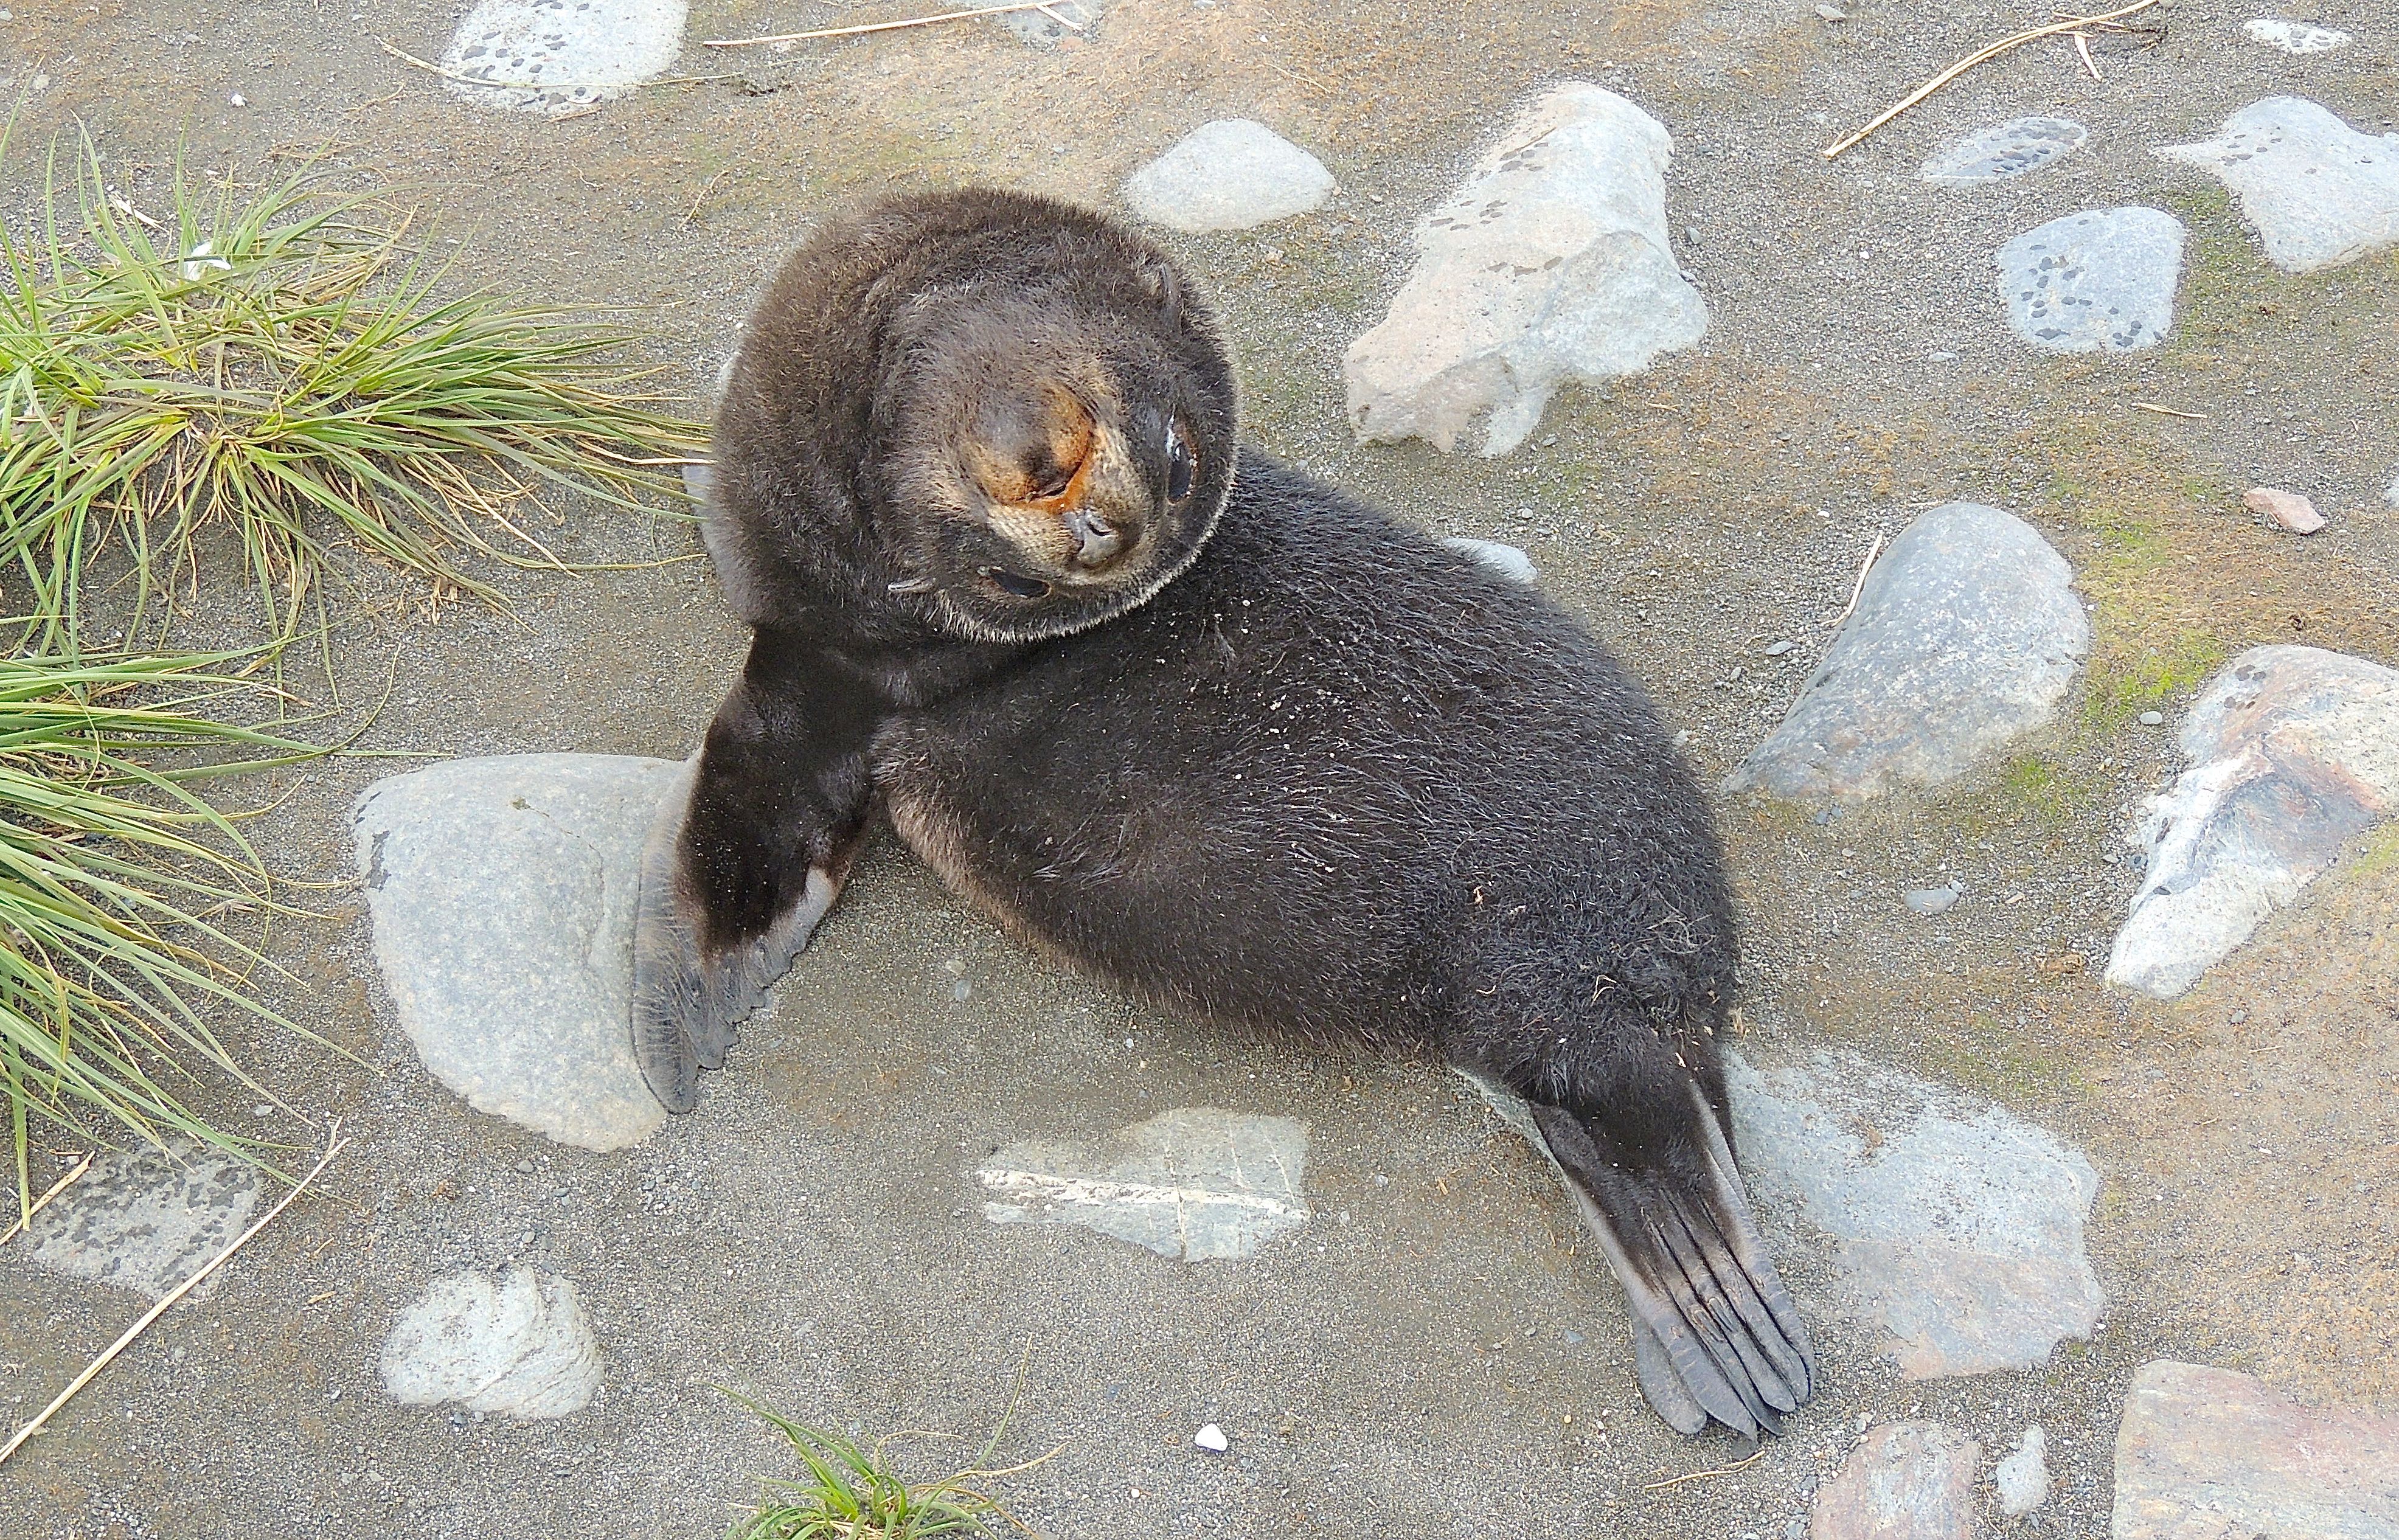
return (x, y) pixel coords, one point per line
(1161, 282)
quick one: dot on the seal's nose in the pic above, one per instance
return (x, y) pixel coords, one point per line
(1097, 539)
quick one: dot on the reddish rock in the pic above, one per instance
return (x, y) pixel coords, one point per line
(2209, 1454)
(2289, 509)
(1904, 1481)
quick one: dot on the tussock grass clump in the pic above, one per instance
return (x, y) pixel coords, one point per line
(113, 873)
(278, 363)
(853, 1493)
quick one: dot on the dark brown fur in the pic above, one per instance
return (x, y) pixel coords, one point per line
(1285, 762)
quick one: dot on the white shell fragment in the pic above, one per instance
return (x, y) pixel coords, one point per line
(2300, 37)
(1198, 1184)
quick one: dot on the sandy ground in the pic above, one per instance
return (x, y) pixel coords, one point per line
(1406, 1367)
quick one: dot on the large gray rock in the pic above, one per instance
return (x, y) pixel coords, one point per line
(1549, 264)
(502, 892)
(1958, 1227)
(2319, 192)
(515, 1342)
(2294, 751)
(2005, 150)
(1965, 638)
(1908, 1480)
(2099, 281)
(1230, 174)
(146, 1219)
(1197, 1183)
(2208, 1454)
(545, 56)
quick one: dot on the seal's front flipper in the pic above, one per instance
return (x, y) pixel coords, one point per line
(743, 857)
(687, 1004)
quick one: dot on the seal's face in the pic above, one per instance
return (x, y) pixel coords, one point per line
(1054, 465)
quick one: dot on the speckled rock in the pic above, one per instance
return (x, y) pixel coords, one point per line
(2209, 1454)
(1231, 175)
(2299, 37)
(501, 892)
(1551, 264)
(515, 1342)
(146, 1219)
(1958, 1227)
(551, 57)
(1965, 638)
(2099, 281)
(2294, 751)
(2319, 192)
(1195, 1183)
(2005, 150)
(2022, 1479)
(1912, 1480)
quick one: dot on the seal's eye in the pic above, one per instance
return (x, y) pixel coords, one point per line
(1022, 588)
(1181, 463)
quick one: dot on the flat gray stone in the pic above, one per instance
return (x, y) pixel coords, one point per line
(515, 1342)
(2299, 37)
(146, 1219)
(1196, 1184)
(2319, 192)
(2209, 1454)
(1965, 638)
(1507, 561)
(2099, 281)
(501, 891)
(2293, 751)
(1933, 900)
(2005, 150)
(1064, 19)
(2022, 1479)
(1912, 1480)
(1231, 175)
(1551, 264)
(1958, 1227)
(543, 56)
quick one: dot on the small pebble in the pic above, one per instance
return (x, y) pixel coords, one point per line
(1777, 649)
(1933, 900)
(2289, 509)
(2153, 718)
(237, 100)
(524, 1168)
(1832, 13)
(960, 990)
(1212, 1438)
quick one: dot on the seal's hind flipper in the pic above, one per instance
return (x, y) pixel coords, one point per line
(687, 1004)
(1723, 1337)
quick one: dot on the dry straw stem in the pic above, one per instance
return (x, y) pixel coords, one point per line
(1702, 1474)
(335, 1145)
(1041, 5)
(2071, 23)
(280, 364)
(24, 1219)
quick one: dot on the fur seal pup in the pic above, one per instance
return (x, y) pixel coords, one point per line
(1239, 743)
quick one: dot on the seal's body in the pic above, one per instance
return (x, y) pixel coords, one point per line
(1239, 743)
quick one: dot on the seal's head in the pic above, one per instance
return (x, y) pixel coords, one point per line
(1057, 441)
(996, 415)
